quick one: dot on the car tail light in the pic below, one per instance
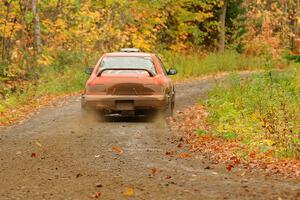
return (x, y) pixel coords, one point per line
(95, 89)
(156, 88)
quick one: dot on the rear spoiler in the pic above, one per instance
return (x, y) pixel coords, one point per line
(151, 74)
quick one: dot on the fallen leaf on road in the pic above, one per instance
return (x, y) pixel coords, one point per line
(129, 191)
(215, 173)
(153, 171)
(38, 144)
(97, 156)
(180, 145)
(33, 155)
(96, 195)
(170, 153)
(117, 150)
(243, 174)
(168, 177)
(99, 185)
(229, 167)
(185, 155)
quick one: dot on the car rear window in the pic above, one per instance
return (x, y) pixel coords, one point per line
(132, 62)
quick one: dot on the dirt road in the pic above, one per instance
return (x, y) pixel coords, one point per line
(55, 156)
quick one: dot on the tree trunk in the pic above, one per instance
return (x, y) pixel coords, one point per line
(294, 25)
(269, 4)
(4, 42)
(37, 27)
(222, 27)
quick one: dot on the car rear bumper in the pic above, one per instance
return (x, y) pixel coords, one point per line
(125, 102)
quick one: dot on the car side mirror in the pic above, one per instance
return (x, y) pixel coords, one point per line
(172, 71)
(89, 71)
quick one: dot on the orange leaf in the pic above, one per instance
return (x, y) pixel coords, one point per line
(252, 155)
(96, 195)
(153, 171)
(117, 150)
(185, 155)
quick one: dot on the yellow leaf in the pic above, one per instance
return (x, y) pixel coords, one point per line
(38, 143)
(129, 191)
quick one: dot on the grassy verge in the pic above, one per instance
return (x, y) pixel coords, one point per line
(194, 65)
(263, 112)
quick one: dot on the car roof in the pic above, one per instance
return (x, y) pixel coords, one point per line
(128, 54)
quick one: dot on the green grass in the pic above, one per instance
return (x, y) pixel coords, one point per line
(263, 111)
(195, 65)
(66, 74)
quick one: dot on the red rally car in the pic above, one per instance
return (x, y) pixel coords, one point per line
(129, 82)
